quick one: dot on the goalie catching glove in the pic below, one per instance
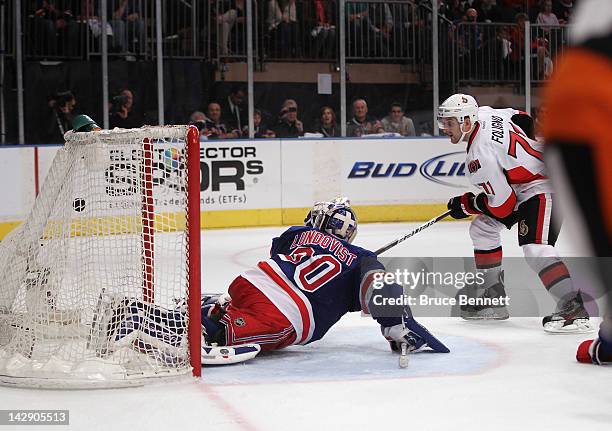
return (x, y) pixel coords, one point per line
(415, 335)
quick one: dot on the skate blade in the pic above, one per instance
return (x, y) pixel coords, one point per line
(579, 326)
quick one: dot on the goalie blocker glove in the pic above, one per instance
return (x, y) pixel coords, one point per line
(469, 204)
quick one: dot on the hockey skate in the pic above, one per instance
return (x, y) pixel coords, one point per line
(488, 306)
(570, 318)
(122, 323)
(225, 355)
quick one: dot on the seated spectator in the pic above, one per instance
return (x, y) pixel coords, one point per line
(59, 118)
(358, 29)
(563, 10)
(509, 8)
(326, 124)
(396, 122)
(215, 128)
(90, 14)
(282, 27)
(126, 19)
(288, 125)
(488, 10)
(362, 123)
(517, 37)
(227, 22)
(233, 112)
(405, 23)
(544, 66)
(121, 111)
(261, 129)
(469, 44)
(54, 26)
(517, 5)
(324, 32)
(381, 28)
(546, 16)
(198, 119)
(550, 27)
(538, 48)
(454, 11)
(502, 52)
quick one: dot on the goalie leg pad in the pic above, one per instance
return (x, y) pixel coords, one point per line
(121, 322)
(167, 326)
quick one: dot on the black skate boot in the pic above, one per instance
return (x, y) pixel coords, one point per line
(491, 305)
(570, 318)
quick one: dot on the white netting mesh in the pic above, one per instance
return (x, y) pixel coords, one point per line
(93, 282)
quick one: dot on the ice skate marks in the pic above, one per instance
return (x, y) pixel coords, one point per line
(356, 353)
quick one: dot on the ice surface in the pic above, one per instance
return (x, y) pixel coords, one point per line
(501, 375)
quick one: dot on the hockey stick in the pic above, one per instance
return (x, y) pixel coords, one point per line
(414, 232)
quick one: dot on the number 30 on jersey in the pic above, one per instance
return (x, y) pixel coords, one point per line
(312, 271)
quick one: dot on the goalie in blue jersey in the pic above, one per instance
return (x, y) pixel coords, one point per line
(314, 276)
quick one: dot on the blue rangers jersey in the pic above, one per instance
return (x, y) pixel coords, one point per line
(314, 278)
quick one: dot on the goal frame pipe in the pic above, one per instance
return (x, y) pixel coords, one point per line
(194, 291)
(148, 222)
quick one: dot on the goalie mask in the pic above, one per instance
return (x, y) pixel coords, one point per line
(335, 217)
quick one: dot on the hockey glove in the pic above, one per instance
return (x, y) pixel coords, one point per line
(415, 335)
(480, 204)
(463, 206)
(595, 351)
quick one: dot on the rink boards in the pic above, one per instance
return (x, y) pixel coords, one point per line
(274, 182)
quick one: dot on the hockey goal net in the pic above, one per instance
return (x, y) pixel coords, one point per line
(117, 224)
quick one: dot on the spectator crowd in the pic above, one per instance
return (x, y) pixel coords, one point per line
(222, 120)
(228, 119)
(293, 29)
(489, 36)
(283, 29)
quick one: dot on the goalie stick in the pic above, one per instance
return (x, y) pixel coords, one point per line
(412, 233)
(403, 359)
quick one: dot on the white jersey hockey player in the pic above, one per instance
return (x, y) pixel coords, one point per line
(507, 165)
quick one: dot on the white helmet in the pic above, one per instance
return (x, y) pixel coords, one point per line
(458, 106)
(335, 217)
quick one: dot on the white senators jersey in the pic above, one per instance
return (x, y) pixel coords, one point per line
(504, 162)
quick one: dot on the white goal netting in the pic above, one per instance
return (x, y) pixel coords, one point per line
(95, 284)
